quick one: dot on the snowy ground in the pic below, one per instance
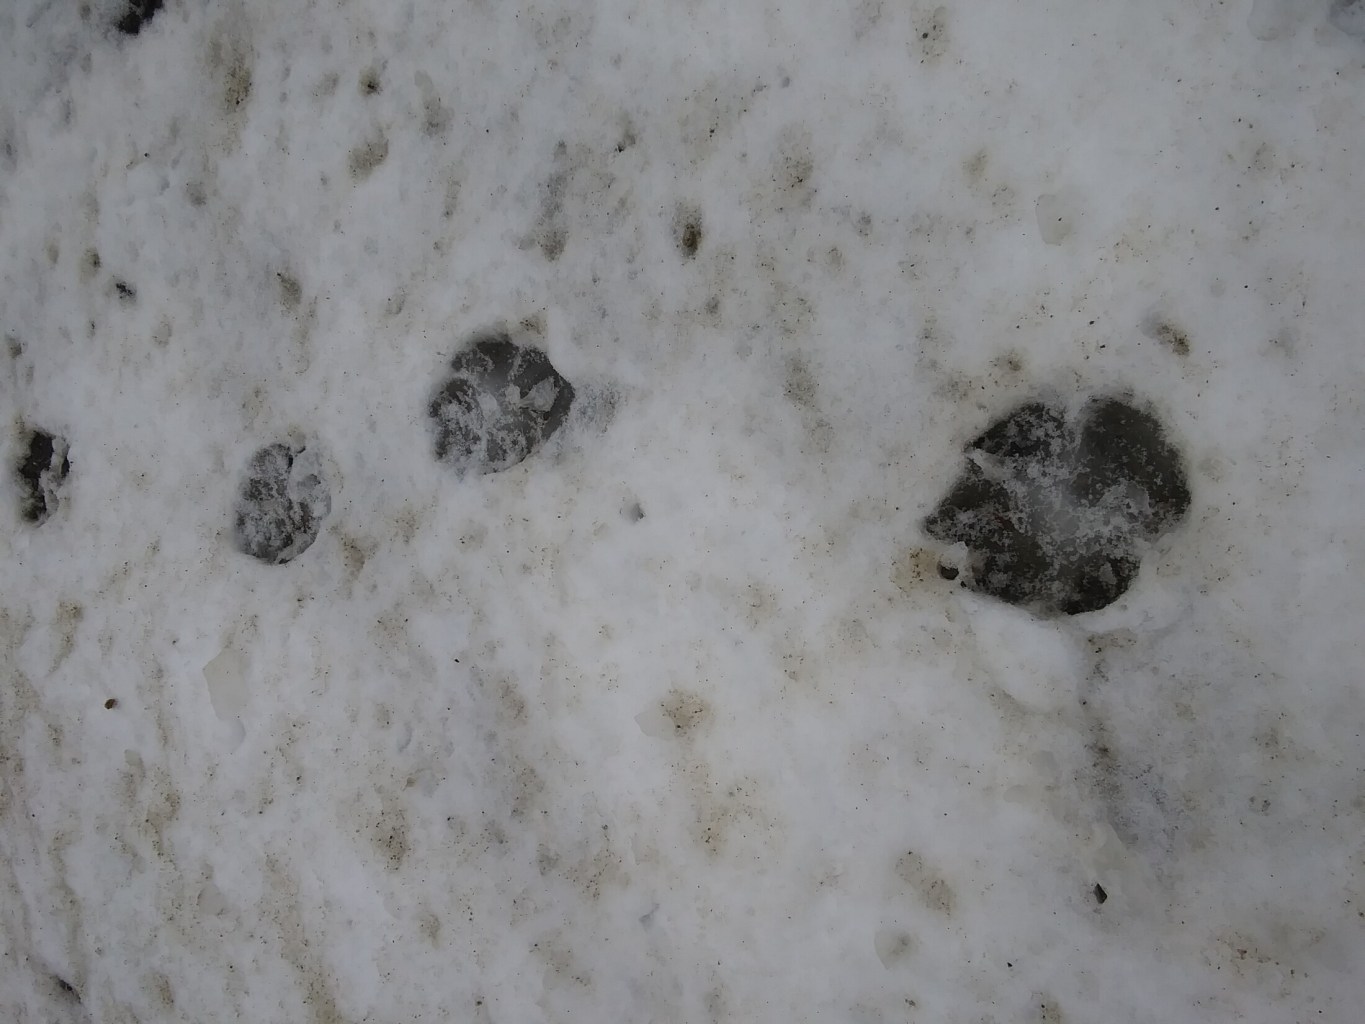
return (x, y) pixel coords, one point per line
(676, 719)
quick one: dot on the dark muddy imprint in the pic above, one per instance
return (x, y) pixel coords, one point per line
(1054, 513)
(282, 502)
(42, 470)
(499, 404)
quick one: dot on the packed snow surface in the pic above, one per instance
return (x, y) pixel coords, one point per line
(482, 531)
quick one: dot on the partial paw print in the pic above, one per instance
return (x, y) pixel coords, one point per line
(135, 14)
(1054, 511)
(1270, 20)
(284, 498)
(499, 404)
(1349, 17)
(41, 470)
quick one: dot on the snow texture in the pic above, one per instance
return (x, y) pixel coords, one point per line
(675, 715)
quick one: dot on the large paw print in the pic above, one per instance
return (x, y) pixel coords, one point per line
(500, 403)
(283, 500)
(1054, 513)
